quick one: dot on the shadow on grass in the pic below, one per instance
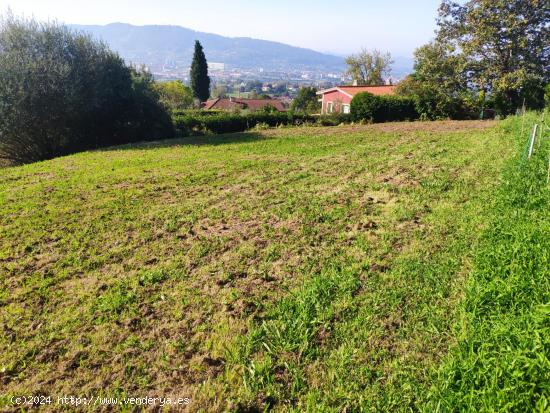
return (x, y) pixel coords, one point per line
(228, 138)
(242, 137)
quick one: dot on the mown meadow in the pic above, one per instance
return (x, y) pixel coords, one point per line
(389, 267)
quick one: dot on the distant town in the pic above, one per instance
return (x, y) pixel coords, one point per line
(254, 82)
(238, 67)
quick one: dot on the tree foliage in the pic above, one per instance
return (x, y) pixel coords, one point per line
(200, 82)
(191, 122)
(174, 95)
(438, 86)
(505, 45)
(306, 101)
(148, 118)
(487, 53)
(369, 68)
(61, 92)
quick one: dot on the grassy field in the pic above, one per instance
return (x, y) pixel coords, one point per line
(300, 269)
(502, 360)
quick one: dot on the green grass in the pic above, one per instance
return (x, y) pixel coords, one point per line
(299, 269)
(502, 360)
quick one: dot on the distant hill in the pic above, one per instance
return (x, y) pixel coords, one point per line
(159, 44)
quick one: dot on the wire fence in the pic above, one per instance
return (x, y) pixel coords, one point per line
(537, 134)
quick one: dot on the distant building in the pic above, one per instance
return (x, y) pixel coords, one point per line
(219, 67)
(243, 104)
(338, 99)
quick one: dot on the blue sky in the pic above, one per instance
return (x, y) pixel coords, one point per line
(336, 26)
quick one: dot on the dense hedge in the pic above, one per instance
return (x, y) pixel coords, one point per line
(190, 122)
(366, 106)
(197, 112)
(334, 119)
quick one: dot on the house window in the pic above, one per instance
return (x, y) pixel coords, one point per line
(330, 107)
(345, 108)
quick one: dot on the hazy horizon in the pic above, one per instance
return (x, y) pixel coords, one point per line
(397, 26)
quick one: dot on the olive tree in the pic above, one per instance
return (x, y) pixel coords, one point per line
(61, 91)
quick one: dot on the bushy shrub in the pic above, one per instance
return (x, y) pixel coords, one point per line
(61, 92)
(366, 106)
(174, 95)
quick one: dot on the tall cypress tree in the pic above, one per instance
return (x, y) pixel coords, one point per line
(200, 82)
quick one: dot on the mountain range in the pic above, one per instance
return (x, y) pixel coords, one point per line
(151, 44)
(157, 45)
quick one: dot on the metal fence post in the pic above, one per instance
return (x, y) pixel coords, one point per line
(533, 138)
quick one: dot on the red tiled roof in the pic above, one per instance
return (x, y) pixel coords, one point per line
(250, 104)
(353, 90)
(375, 90)
(210, 103)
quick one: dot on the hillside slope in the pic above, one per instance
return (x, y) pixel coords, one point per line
(300, 268)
